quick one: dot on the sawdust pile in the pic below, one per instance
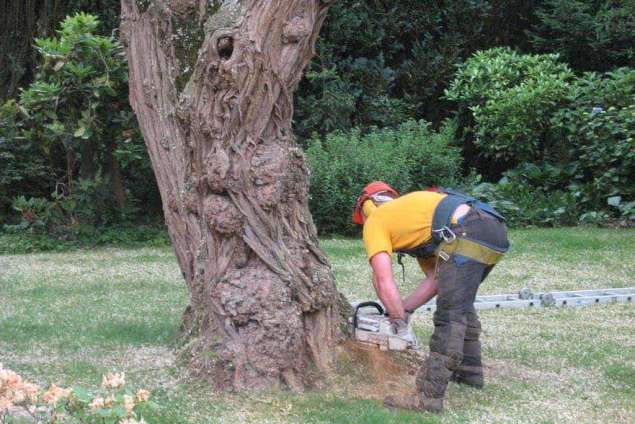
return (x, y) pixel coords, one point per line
(371, 373)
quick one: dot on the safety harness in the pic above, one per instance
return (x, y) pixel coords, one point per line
(444, 241)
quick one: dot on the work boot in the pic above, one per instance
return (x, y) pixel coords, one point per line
(473, 378)
(414, 402)
(433, 376)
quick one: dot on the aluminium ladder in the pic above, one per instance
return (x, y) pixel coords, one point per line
(526, 299)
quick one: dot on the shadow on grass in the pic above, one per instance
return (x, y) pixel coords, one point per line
(138, 332)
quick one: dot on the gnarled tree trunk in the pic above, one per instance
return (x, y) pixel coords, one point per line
(211, 84)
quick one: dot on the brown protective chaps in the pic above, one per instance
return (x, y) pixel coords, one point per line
(455, 349)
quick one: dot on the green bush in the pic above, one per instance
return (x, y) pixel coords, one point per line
(72, 137)
(409, 158)
(531, 195)
(381, 63)
(599, 130)
(511, 98)
(24, 165)
(590, 35)
(37, 215)
(129, 236)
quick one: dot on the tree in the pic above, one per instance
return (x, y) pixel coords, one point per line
(72, 132)
(379, 63)
(509, 99)
(23, 20)
(590, 35)
(211, 85)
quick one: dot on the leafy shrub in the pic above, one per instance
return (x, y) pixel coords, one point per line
(37, 215)
(23, 163)
(599, 130)
(511, 98)
(381, 63)
(129, 236)
(525, 197)
(545, 196)
(589, 35)
(72, 132)
(409, 158)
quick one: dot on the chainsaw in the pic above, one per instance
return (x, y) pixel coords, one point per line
(373, 327)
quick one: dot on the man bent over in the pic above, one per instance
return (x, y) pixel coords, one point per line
(457, 240)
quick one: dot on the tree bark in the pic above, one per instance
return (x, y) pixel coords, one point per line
(116, 179)
(211, 85)
(87, 169)
(20, 22)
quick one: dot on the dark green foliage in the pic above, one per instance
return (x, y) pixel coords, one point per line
(525, 196)
(524, 117)
(590, 35)
(24, 165)
(565, 145)
(379, 63)
(23, 20)
(511, 98)
(126, 235)
(599, 130)
(72, 140)
(410, 157)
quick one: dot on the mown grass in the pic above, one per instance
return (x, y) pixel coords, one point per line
(69, 317)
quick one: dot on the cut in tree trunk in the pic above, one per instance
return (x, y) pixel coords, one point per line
(211, 85)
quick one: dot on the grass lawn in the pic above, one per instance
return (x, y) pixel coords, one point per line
(69, 317)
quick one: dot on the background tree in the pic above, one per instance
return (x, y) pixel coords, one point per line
(212, 89)
(23, 20)
(381, 63)
(590, 35)
(72, 132)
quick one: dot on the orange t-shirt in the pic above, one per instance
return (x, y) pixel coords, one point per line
(403, 223)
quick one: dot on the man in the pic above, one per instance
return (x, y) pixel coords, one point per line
(456, 240)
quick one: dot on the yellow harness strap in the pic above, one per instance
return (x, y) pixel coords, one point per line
(470, 249)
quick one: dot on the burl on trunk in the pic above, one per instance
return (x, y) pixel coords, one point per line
(211, 84)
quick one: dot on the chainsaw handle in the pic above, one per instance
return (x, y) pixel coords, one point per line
(364, 305)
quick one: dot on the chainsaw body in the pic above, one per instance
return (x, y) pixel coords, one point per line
(371, 326)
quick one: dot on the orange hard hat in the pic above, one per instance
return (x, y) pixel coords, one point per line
(370, 190)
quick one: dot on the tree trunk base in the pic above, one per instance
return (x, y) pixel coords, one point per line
(364, 369)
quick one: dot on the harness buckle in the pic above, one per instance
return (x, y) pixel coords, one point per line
(446, 234)
(444, 255)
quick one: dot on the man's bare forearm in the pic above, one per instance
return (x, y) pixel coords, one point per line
(422, 294)
(389, 296)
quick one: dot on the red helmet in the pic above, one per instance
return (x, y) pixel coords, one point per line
(370, 190)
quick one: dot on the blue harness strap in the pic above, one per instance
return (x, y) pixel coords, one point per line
(441, 224)
(441, 220)
(447, 206)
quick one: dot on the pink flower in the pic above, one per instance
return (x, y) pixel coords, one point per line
(143, 395)
(55, 393)
(113, 381)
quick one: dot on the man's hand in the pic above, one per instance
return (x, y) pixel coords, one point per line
(385, 286)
